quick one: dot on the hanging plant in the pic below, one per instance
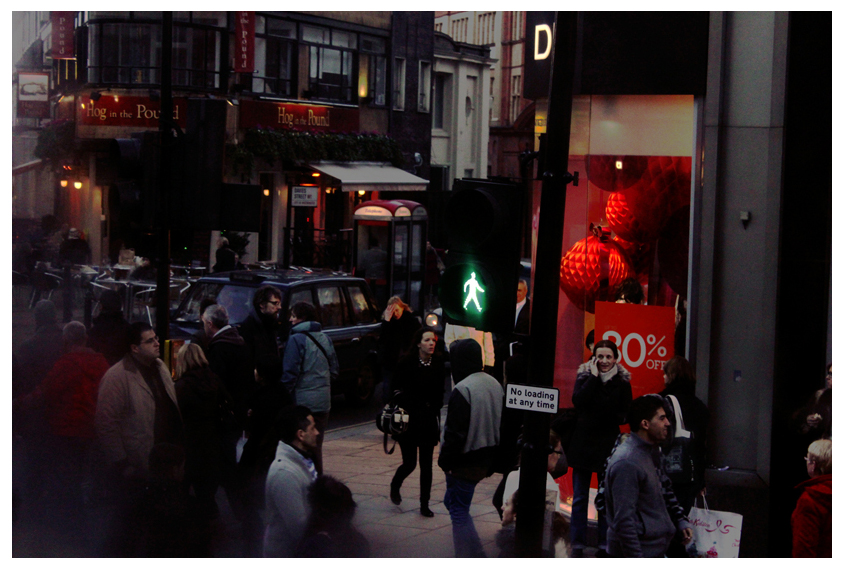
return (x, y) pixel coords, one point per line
(56, 141)
(290, 147)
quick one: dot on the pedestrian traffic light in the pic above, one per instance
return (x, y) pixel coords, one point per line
(483, 222)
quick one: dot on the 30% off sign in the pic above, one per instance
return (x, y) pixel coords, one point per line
(645, 338)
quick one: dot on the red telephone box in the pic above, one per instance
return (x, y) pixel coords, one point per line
(389, 249)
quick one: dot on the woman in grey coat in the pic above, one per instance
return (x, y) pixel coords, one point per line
(310, 366)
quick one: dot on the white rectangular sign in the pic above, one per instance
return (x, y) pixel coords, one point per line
(304, 196)
(532, 398)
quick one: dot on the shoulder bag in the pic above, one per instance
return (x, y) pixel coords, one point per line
(679, 463)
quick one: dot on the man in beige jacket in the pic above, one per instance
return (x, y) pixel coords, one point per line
(136, 408)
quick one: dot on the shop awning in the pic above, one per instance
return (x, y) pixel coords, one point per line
(370, 177)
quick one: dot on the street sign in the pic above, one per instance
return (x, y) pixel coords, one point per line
(532, 398)
(304, 196)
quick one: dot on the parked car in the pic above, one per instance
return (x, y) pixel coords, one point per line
(345, 307)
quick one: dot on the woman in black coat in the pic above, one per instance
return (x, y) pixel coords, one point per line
(601, 398)
(680, 382)
(203, 403)
(397, 330)
(419, 388)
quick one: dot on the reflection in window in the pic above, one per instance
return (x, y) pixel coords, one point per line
(360, 307)
(331, 306)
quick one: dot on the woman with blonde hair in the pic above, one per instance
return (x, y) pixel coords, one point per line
(203, 402)
(812, 520)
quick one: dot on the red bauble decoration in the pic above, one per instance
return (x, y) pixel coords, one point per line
(592, 269)
(639, 213)
(603, 171)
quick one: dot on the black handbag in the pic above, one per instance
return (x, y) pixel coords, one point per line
(392, 420)
(679, 464)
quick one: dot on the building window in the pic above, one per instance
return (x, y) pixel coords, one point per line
(399, 84)
(331, 63)
(424, 103)
(275, 57)
(129, 52)
(485, 28)
(438, 27)
(459, 29)
(441, 101)
(516, 97)
(372, 54)
(517, 28)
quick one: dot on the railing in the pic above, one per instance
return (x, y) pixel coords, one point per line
(318, 248)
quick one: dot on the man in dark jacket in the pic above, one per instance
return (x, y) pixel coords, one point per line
(470, 440)
(639, 521)
(229, 357)
(260, 331)
(110, 329)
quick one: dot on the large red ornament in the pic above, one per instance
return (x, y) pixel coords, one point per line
(615, 173)
(592, 269)
(639, 213)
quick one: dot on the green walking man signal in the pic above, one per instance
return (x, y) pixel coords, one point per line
(474, 287)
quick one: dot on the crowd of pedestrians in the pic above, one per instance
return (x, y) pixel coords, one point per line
(107, 427)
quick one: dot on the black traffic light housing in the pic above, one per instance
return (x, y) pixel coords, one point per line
(484, 226)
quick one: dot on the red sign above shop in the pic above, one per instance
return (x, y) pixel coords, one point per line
(139, 112)
(645, 336)
(295, 116)
(244, 42)
(62, 35)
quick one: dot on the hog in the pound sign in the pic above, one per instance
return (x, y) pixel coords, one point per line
(474, 288)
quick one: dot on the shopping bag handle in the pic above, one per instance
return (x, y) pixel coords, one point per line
(703, 499)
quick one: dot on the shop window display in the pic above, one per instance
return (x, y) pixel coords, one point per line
(629, 218)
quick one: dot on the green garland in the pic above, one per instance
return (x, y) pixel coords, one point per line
(292, 147)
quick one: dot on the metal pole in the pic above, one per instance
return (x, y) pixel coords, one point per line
(544, 305)
(165, 123)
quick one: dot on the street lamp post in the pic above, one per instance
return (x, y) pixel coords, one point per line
(166, 148)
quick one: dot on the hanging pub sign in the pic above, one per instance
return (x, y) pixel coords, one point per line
(140, 112)
(244, 42)
(33, 95)
(293, 116)
(62, 35)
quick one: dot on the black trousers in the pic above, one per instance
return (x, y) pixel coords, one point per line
(409, 463)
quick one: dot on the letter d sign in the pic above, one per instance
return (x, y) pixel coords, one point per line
(538, 30)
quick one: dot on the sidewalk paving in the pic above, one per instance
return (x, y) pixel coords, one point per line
(355, 455)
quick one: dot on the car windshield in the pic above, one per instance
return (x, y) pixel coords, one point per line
(236, 298)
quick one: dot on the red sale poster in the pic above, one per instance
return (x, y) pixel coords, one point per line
(645, 336)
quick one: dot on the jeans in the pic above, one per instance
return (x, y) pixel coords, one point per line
(580, 503)
(457, 500)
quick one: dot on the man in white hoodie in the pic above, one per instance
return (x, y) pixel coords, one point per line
(288, 480)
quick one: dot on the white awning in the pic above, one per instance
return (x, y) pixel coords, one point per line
(370, 177)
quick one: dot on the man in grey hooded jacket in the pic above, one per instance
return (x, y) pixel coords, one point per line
(470, 440)
(310, 366)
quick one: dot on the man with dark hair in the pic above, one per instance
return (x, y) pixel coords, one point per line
(310, 366)
(260, 331)
(288, 481)
(136, 407)
(470, 440)
(639, 522)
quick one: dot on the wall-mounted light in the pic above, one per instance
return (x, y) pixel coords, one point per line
(116, 98)
(63, 183)
(361, 192)
(315, 174)
(618, 164)
(77, 185)
(266, 192)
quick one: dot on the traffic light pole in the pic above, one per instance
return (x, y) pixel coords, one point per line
(165, 123)
(544, 304)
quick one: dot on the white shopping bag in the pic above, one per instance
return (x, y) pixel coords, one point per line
(714, 533)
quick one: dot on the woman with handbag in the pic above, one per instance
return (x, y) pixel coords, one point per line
(419, 387)
(679, 378)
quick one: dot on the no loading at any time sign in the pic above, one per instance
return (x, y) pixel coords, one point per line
(532, 398)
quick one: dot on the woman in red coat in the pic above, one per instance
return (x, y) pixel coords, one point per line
(813, 516)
